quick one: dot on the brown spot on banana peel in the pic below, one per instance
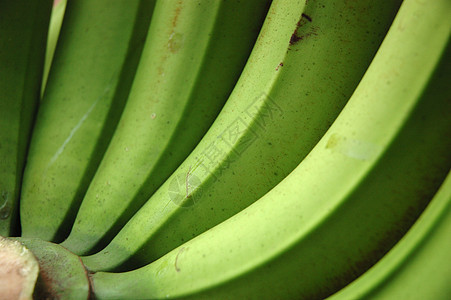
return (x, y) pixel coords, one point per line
(302, 21)
(306, 16)
(177, 13)
(174, 42)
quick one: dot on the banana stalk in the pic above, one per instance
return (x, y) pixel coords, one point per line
(306, 63)
(61, 273)
(23, 35)
(19, 270)
(95, 61)
(346, 204)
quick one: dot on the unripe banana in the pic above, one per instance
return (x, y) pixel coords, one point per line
(193, 57)
(23, 35)
(346, 204)
(418, 266)
(89, 81)
(304, 67)
(56, 20)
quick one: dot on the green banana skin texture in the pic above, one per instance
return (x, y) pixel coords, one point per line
(94, 64)
(177, 93)
(23, 34)
(56, 19)
(279, 113)
(379, 164)
(418, 266)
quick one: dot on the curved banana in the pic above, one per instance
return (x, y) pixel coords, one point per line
(348, 201)
(418, 266)
(94, 64)
(56, 20)
(304, 67)
(193, 56)
(23, 35)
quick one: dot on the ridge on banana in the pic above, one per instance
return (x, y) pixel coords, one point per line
(23, 35)
(346, 204)
(88, 85)
(286, 98)
(194, 53)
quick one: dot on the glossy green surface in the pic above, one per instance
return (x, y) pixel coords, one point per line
(194, 54)
(56, 19)
(92, 71)
(346, 204)
(290, 92)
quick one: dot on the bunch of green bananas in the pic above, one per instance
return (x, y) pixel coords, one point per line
(226, 149)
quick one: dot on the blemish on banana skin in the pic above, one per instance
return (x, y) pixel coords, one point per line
(177, 257)
(295, 37)
(187, 182)
(175, 42)
(353, 148)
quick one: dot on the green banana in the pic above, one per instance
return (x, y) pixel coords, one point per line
(23, 34)
(306, 63)
(346, 204)
(193, 56)
(91, 74)
(418, 266)
(56, 20)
